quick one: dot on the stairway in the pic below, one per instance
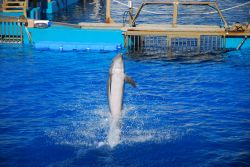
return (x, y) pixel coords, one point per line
(15, 6)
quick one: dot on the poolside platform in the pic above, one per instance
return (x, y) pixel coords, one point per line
(185, 37)
(186, 30)
(85, 25)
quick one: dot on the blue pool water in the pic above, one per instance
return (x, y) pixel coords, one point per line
(94, 11)
(185, 111)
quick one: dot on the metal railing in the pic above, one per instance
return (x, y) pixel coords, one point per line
(175, 5)
(11, 29)
(173, 38)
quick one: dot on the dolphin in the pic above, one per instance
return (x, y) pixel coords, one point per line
(115, 91)
(115, 86)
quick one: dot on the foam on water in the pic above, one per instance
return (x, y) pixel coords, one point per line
(97, 129)
(114, 133)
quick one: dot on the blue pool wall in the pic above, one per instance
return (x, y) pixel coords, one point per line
(67, 38)
(233, 43)
(70, 38)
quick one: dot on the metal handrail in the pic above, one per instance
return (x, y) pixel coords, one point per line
(11, 29)
(175, 4)
(24, 5)
(13, 19)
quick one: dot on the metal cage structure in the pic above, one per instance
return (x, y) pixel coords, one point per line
(173, 37)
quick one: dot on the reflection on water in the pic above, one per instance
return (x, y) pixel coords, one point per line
(82, 11)
(181, 57)
(94, 11)
(193, 14)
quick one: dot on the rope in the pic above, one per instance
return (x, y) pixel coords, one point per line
(237, 6)
(147, 11)
(123, 4)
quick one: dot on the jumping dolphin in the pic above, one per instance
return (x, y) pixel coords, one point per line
(115, 91)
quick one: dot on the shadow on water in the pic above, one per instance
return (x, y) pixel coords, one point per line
(140, 154)
(179, 57)
(182, 152)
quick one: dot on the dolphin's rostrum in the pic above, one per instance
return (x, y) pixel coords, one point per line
(115, 91)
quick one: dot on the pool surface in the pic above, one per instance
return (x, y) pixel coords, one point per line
(94, 11)
(185, 111)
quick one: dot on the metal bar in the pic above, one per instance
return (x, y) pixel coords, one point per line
(224, 44)
(128, 37)
(4, 26)
(207, 44)
(175, 13)
(211, 42)
(138, 42)
(216, 43)
(214, 5)
(241, 43)
(134, 43)
(25, 6)
(13, 36)
(173, 31)
(12, 19)
(9, 32)
(137, 14)
(21, 33)
(199, 44)
(149, 43)
(221, 16)
(125, 40)
(17, 31)
(181, 2)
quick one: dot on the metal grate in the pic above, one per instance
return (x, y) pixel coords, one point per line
(137, 43)
(171, 43)
(211, 43)
(184, 44)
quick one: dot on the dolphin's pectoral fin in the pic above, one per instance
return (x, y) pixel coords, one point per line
(129, 80)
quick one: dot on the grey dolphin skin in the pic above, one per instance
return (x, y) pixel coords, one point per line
(115, 91)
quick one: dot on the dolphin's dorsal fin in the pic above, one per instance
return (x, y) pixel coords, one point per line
(129, 80)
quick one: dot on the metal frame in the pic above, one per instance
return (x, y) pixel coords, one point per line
(22, 6)
(163, 43)
(175, 4)
(11, 29)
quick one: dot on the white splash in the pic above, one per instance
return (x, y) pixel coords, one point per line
(114, 132)
(95, 128)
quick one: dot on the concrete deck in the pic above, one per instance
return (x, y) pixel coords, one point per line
(100, 25)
